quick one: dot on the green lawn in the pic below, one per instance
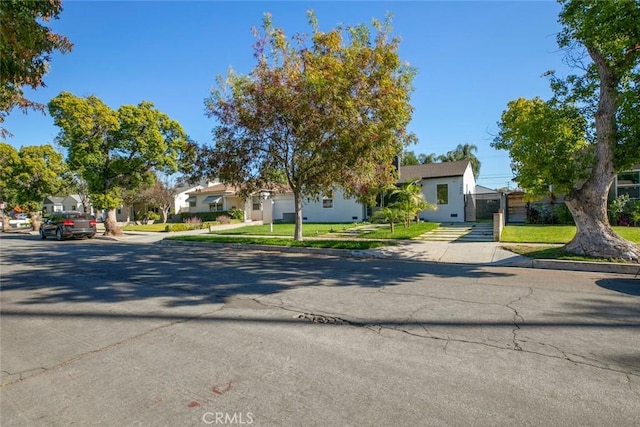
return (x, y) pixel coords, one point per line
(556, 233)
(148, 227)
(553, 252)
(414, 230)
(308, 229)
(279, 241)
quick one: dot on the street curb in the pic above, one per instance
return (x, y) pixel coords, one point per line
(543, 264)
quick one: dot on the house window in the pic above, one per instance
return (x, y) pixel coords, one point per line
(73, 207)
(629, 183)
(256, 201)
(192, 204)
(215, 207)
(327, 200)
(442, 193)
(44, 209)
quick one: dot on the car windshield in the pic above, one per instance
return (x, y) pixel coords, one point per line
(81, 215)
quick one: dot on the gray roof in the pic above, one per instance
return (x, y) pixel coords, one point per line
(433, 170)
(54, 200)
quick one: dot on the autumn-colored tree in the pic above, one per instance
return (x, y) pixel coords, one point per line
(116, 150)
(575, 142)
(320, 111)
(161, 195)
(26, 46)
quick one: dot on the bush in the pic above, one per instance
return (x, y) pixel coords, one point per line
(193, 220)
(617, 208)
(204, 216)
(235, 213)
(542, 213)
(224, 219)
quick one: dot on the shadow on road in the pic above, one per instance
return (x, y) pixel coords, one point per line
(625, 286)
(109, 272)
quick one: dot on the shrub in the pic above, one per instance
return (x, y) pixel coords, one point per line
(193, 220)
(617, 208)
(235, 213)
(224, 219)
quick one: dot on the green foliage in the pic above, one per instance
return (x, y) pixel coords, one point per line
(322, 244)
(26, 48)
(388, 215)
(537, 134)
(187, 226)
(556, 234)
(546, 213)
(616, 208)
(333, 110)
(310, 229)
(463, 152)
(409, 159)
(29, 175)
(203, 216)
(236, 213)
(624, 211)
(106, 201)
(414, 230)
(409, 201)
(114, 150)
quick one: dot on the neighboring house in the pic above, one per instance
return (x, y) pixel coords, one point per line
(445, 185)
(52, 204)
(627, 182)
(215, 198)
(72, 202)
(180, 203)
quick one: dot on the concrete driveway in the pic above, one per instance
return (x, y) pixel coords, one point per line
(107, 333)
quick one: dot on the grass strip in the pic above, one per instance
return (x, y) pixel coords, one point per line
(288, 242)
(554, 252)
(560, 234)
(401, 233)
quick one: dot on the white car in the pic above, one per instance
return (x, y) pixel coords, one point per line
(20, 220)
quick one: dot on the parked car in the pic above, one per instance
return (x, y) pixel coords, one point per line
(20, 220)
(65, 225)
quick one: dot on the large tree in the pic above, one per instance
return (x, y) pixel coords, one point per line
(575, 142)
(31, 174)
(319, 111)
(116, 150)
(26, 46)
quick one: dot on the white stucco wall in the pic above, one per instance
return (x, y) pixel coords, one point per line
(453, 211)
(343, 210)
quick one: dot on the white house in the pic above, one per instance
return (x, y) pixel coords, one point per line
(444, 185)
(72, 202)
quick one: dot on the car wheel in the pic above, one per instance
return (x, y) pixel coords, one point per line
(58, 234)
(42, 235)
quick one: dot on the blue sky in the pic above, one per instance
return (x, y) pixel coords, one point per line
(472, 59)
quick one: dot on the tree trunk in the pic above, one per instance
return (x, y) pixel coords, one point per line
(594, 236)
(165, 214)
(36, 220)
(588, 205)
(298, 208)
(111, 224)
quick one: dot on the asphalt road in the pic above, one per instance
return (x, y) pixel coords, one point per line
(97, 332)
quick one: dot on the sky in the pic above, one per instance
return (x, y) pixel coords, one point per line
(472, 58)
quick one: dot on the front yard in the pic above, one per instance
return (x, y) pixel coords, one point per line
(556, 234)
